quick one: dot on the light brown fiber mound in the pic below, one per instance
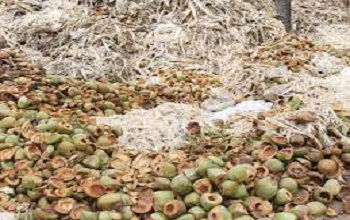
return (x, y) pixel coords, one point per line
(134, 37)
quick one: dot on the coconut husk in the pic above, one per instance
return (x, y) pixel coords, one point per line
(127, 39)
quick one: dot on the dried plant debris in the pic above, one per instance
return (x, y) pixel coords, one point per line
(291, 51)
(126, 40)
(310, 15)
(274, 72)
(299, 53)
(123, 40)
(336, 35)
(163, 127)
